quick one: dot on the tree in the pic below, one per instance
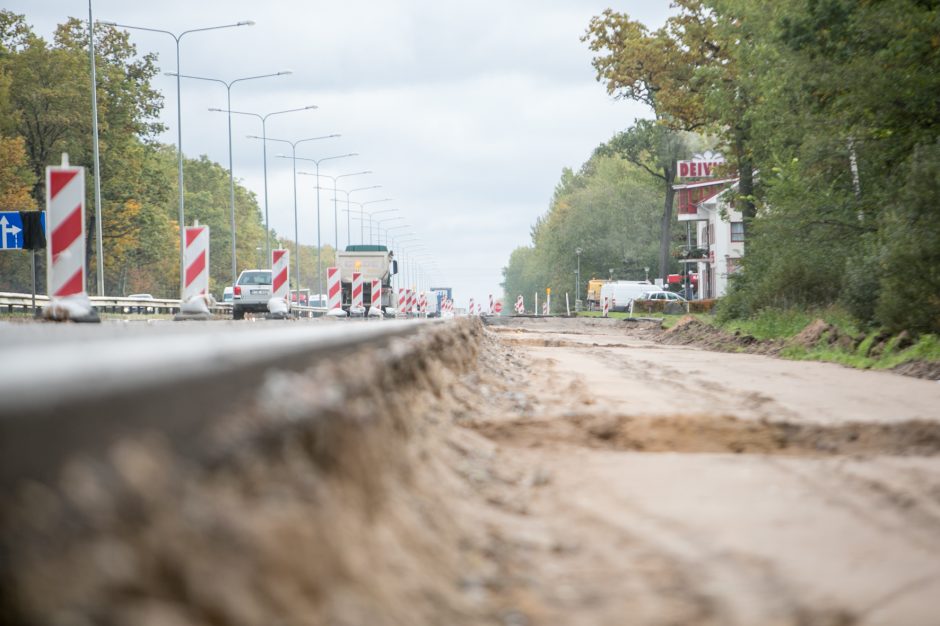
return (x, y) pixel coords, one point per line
(655, 149)
(685, 71)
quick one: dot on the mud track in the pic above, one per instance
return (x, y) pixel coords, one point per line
(548, 472)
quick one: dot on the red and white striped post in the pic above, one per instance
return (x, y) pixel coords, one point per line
(280, 274)
(65, 230)
(606, 305)
(196, 262)
(520, 305)
(423, 304)
(356, 303)
(402, 307)
(375, 308)
(411, 301)
(492, 310)
(470, 308)
(334, 291)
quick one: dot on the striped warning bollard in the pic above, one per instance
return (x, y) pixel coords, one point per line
(334, 291)
(492, 310)
(423, 304)
(470, 308)
(402, 301)
(65, 253)
(606, 305)
(520, 305)
(196, 261)
(375, 307)
(279, 303)
(196, 299)
(355, 305)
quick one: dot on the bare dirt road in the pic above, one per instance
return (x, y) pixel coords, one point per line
(531, 472)
(680, 486)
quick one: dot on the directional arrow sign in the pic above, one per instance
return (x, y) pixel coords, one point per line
(11, 230)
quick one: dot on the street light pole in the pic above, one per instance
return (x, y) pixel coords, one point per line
(351, 191)
(231, 172)
(99, 248)
(264, 152)
(335, 213)
(179, 126)
(293, 146)
(577, 297)
(316, 163)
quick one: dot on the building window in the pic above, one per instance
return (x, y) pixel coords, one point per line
(737, 231)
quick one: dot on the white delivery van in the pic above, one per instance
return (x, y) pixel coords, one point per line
(623, 292)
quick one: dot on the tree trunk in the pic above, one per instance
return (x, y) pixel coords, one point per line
(665, 237)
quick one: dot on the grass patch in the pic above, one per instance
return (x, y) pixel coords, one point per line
(785, 323)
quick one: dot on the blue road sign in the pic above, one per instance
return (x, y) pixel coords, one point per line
(11, 230)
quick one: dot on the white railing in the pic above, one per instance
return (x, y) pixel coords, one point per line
(13, 302)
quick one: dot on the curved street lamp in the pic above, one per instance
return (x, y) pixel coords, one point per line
(179, 125)
(231, 173)
(316, 163)
(264, 151)
(293, 146)
(335, 214)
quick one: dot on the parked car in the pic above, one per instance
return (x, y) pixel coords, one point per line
(140, 309)
(228, 294)
(662, 295)
(251, 292)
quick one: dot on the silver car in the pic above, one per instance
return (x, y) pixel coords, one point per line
(252, 291)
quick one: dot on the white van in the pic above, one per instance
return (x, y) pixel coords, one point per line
(623, 292)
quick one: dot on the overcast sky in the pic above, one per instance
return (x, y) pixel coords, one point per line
(466, 112)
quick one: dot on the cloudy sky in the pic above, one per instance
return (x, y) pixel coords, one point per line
(466, 112)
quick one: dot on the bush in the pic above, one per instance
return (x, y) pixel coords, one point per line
(910, 257)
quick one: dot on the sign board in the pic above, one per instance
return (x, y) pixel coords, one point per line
(11, 229)
(498, 307)
(700, 166)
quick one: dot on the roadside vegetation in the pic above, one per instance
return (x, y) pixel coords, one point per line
(45, 94)
(827, 110)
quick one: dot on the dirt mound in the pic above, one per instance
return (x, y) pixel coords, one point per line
(929, 370)
(818, 331)
(719, 434)
(810, 336)
(691, 331)
(345, 496)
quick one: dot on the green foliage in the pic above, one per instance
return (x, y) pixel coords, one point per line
(45, 96)
(910, 257)
(610, 210)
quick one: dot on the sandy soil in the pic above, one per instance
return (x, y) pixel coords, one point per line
(566, 472)
(693, 487)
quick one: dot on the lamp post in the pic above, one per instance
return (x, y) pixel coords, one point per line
(363, 212)
(179, 125)
(577, 298)
(293, 146)
(231, 172)
(391, 228)
(373, 213)
(316, 163)
(264, 151)
(351, 191)
(335, 214)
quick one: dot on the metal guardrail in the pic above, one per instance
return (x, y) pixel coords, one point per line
(13, 302)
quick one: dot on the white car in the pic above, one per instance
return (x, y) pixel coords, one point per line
(252, 291)
(663, 295)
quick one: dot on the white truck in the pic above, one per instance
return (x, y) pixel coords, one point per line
(373, 262)
(623, 292)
